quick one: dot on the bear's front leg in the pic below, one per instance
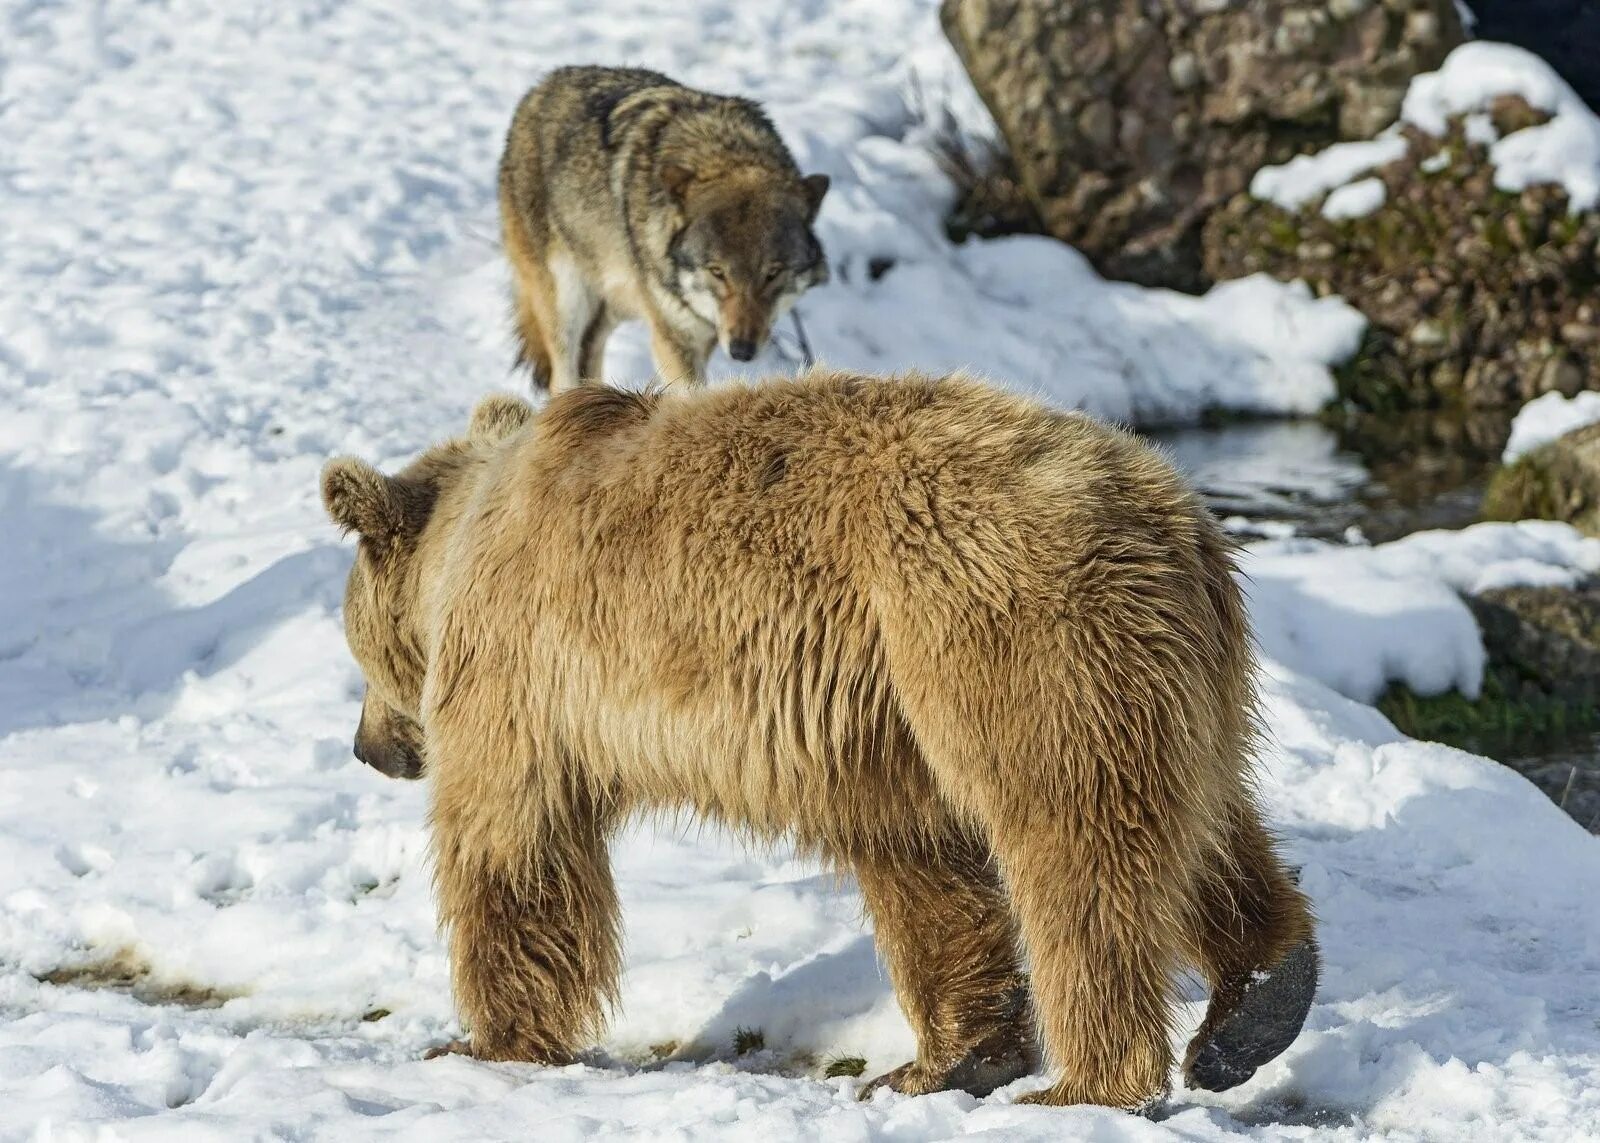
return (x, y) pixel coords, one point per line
(533, 925)
(945, 931)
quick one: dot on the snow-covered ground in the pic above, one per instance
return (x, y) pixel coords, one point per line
(237, 239)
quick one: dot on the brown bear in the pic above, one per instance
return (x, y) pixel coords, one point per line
(988, 657)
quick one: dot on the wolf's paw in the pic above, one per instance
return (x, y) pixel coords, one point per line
(1266, 1019)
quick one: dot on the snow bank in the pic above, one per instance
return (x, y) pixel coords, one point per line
(1548, 418)
(1565, 150)
(1358, 619)
(1128, 354)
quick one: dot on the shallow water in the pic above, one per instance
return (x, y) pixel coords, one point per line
(1385, 476)
(1373, 479)
(1569, 774)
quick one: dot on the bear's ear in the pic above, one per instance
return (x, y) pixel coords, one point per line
(361, 499)
(497, 416)
(815, 187)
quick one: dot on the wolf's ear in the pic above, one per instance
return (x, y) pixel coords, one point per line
(361, 499)
(497, 416)
(815, 187)
(676, 178)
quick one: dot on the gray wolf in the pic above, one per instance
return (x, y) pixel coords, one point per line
(624, 194)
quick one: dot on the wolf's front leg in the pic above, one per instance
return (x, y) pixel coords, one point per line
(679, 360)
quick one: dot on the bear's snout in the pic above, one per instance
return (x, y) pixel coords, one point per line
(391, 759)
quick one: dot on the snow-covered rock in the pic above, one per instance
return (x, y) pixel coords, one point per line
(1358, 619)
(1548, 418)
(1414, 229)
(1565, 150)
(1306, 178)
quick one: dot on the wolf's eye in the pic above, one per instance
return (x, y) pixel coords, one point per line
(717, 272)
(772, 273)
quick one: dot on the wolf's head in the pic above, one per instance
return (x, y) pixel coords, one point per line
(746, 249)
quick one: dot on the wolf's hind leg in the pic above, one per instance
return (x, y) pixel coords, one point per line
(530, 286)
(592, 356)
(576, 313)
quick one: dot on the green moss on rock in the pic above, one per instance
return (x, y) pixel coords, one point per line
(1558, 481)
(1504, 721)
(1477, 297)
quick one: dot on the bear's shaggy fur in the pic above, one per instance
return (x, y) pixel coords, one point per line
(988, 657)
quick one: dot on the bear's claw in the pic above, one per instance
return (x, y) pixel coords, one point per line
(1269, 1015)
(453, 1048)
(994, 1063)
(975, 1075)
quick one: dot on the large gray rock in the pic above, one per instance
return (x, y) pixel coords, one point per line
(1544, 655)
(1557, 481)
(1549, 637)
(1130, 120)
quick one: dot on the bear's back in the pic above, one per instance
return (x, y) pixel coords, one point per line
(685, 586)
(839, 474)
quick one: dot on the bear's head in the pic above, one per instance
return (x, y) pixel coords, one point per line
(383, 612)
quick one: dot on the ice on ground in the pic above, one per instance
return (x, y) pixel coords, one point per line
(1549, 418)
(241, 238)
(1563, 151)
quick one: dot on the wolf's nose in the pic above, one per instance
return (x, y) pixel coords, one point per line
(741, 349)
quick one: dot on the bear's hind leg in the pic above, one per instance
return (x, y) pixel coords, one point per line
(945, 930)
(1252, 936)
(534, 945)
(1094, 915)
